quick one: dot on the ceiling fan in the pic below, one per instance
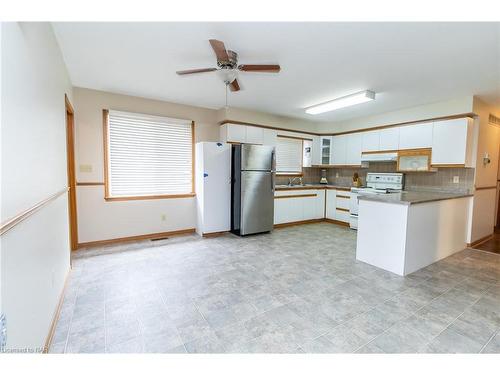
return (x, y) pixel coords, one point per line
(227, 61)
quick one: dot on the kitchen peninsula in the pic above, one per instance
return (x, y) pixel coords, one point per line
(417, 229)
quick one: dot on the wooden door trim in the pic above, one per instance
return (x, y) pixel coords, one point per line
(70, 155)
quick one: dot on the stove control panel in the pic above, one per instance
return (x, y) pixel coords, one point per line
(385, 180)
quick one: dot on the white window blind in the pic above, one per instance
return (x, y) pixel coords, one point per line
(148, 155)
(288, 156)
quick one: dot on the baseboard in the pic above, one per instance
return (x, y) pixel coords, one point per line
(341, 223)
(311, 221)
(150, 236)
(55, 318)
(481, 240)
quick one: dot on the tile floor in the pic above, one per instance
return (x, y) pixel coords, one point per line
(296, 290)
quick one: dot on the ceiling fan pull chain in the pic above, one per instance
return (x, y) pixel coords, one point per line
(226, 93)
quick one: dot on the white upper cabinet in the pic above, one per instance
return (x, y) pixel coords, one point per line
(326, 150)
(371, 141)
(339, 150)
(269, 137)
(237, 133)
(415, 136)
(316, 150)
(233, 133)
(353, 149)
(389, 139)
(254, 135)
(452, 142)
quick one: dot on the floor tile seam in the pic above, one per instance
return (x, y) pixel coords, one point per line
(175, 324)
(72, 315)
(458, 317)
(490, 339)
(388, 328)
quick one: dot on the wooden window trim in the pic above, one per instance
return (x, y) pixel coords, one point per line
(108, 198)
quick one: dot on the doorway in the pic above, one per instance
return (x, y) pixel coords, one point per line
(70, 151)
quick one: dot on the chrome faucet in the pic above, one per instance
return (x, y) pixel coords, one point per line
(292, 179)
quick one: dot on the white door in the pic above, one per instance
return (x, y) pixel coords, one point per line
(415, 136)
(389, 139)
(371, 141)
(339, 149)
(353, 149)
(236, 133)
(449, 142)
(269, 137)
(216, 187)
(326, 150)
(308, 207)
(254, 135)
(316, 150)
(331, 203)
(320, 204)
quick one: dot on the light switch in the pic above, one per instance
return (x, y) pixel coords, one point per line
(85, 168)
(456, 179)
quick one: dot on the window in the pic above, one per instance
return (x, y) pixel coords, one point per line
(147, 156)
(288, 155)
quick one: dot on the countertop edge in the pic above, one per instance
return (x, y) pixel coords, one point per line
(312, 187)
(410, 203)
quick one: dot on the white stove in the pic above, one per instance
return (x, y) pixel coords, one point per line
(376, 183)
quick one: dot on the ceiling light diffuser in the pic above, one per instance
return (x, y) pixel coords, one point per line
(345, 101)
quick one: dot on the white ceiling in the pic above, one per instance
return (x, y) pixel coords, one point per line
(406, 64)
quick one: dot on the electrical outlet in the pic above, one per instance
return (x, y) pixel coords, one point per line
(337, 175)
(85, 168)
(456, 179)
(163, 217)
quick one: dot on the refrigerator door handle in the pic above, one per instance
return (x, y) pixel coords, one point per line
(273, 168)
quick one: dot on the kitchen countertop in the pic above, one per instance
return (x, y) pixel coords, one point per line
(311, 186)
(412, 197)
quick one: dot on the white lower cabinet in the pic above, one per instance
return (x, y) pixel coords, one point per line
(337, 205)
(331, 203)
(299, 205)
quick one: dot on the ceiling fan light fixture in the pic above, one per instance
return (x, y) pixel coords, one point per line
(227, 75)
(345, 101)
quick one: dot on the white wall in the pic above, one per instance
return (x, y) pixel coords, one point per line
(35, 254)
(101, 220)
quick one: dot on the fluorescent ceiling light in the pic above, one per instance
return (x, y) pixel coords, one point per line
(345, 101)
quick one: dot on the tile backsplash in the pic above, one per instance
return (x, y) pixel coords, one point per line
(442, 180)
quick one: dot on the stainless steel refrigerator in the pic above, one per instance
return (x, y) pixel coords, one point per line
(252, 189)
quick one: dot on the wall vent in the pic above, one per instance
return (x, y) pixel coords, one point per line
(494, 119)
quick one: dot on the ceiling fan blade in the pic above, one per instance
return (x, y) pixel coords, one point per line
(191, 71)
(260, 68)
(234, 86)
(219, 49)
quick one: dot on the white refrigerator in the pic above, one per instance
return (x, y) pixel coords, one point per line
(213, 187)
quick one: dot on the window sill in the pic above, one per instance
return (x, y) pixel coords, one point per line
(147, 197)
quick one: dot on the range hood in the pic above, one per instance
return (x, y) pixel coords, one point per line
(379, 157)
